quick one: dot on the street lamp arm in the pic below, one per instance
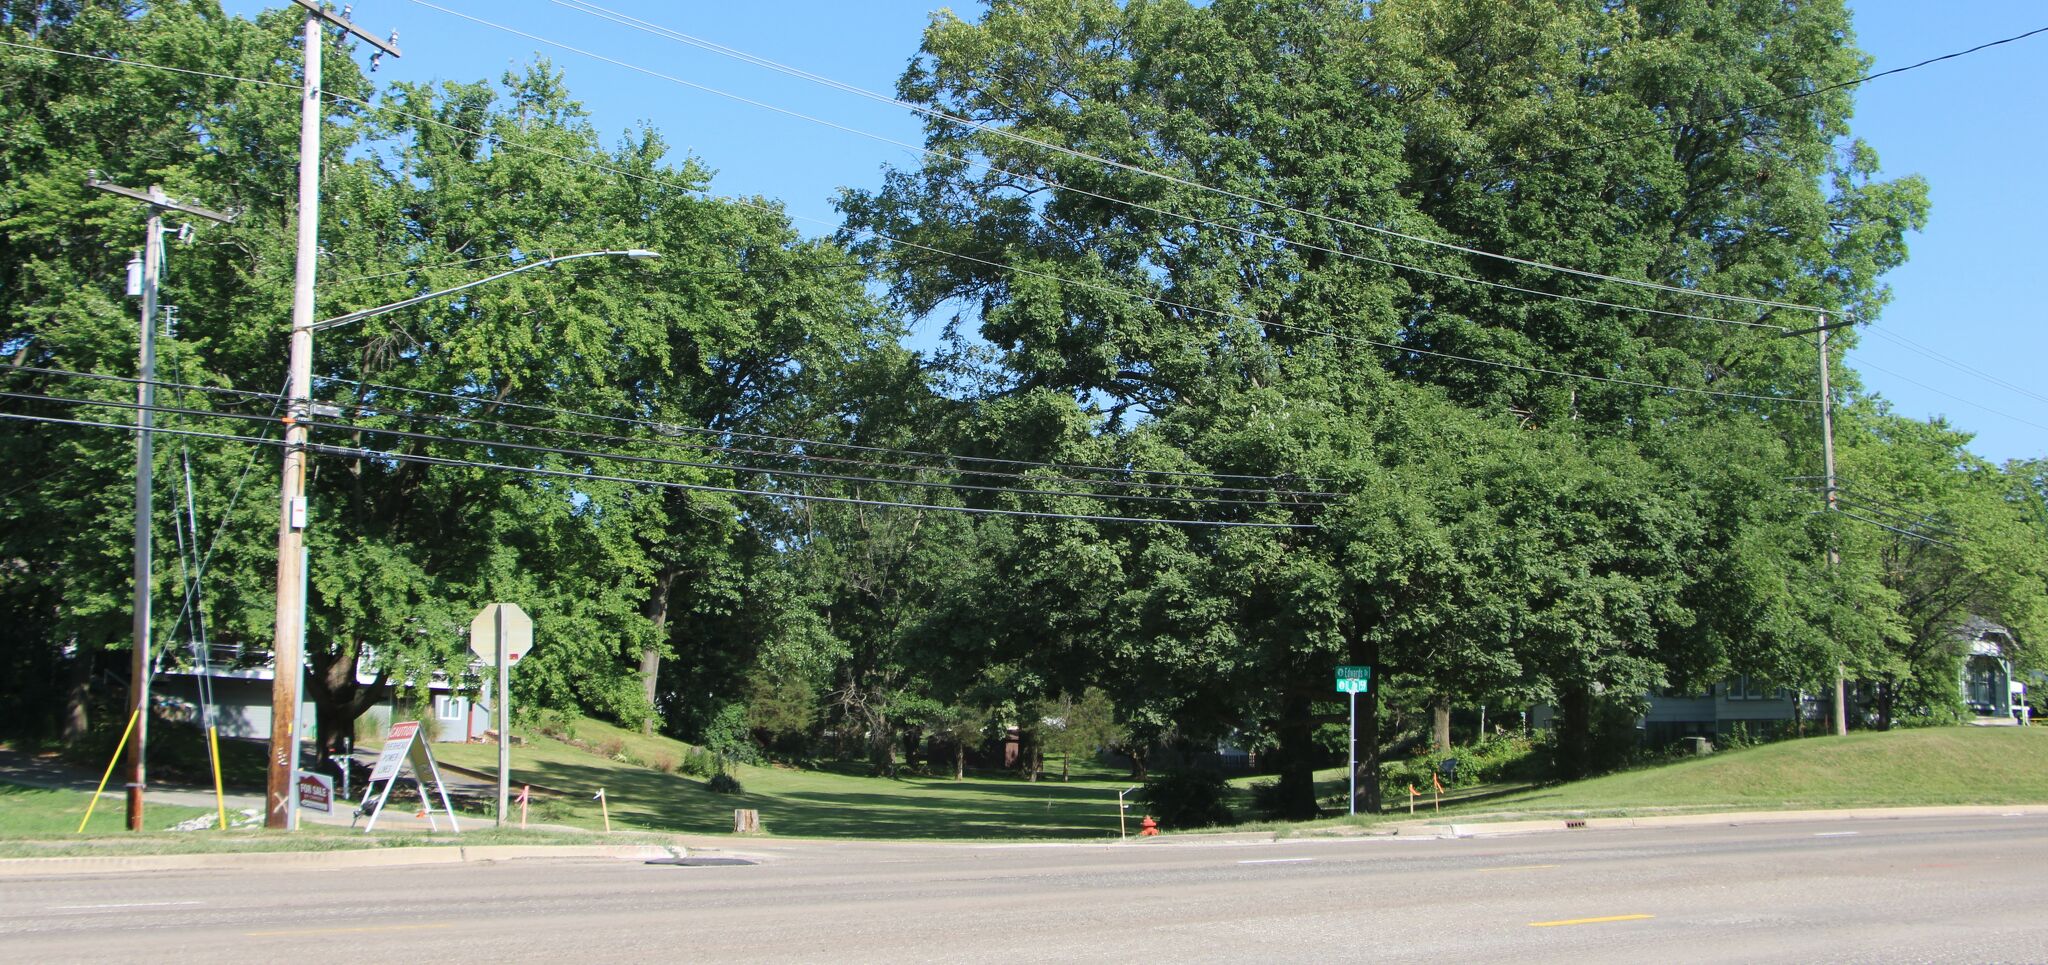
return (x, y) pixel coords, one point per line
(352, 317)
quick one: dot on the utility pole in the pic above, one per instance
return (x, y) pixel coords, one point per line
(1827, 450)
(291, 532)
(145, 463)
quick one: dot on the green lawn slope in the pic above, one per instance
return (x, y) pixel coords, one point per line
(1910, 768)
(800, 802)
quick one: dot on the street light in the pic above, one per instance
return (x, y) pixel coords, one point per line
(291, 534)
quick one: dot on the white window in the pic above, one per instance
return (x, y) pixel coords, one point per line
(450, 707)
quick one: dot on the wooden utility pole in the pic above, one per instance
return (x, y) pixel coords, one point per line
(291, 531)
(1827, 450)
(145, 464)
(1827, 453)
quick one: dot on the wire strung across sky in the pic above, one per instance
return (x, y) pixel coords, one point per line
(353, 452)
(741, 202)
(1277, 501)
(1064, 187)
(644, 26)
(802, 457)
(670, 429)
(1181, 478)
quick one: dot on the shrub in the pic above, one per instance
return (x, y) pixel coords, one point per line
(611, 748)
(664, 763)
(722, 783)
(698, 762)
(1190, 798)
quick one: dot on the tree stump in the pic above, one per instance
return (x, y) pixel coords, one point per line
(746, 821)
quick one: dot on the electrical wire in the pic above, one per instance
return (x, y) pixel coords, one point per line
(621, 172)
(673, 428)
(1902, 532)
(352, 452)
(1866, 364)
(806, 457)
(1751, 109)
(796, 473)
(373, 454)
(1135, 205)
(595, 10)
(1960, 366)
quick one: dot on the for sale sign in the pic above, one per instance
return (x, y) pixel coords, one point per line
(316, 792)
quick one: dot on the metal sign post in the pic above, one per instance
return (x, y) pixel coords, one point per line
(502, 633)
(1353, 681)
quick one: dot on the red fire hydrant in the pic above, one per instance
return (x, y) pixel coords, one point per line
(1150, 827)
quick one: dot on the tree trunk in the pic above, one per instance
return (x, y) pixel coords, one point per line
(1574, 727)
(656, 611)
(1367, 652)
(959, 760)
(77, 691)
(1297, 788)
(1440, 724)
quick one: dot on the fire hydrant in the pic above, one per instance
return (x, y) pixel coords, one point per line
(1150, 827)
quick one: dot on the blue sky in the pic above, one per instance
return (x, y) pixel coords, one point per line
(1964, 317)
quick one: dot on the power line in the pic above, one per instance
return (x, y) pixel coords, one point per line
(673, 428)
(1902, 532)
(1136, 205)
(1955, 364)
(805, 457)
(1751, 109)
(1865, 363)
(375, 454)
(740, 202)
(595, 10)
(796, 473)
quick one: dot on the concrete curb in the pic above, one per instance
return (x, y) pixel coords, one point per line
(1479, 829)
(364, 858)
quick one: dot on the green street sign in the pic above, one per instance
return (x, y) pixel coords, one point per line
(1354, 680)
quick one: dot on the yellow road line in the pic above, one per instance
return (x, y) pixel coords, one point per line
(1518, 867)
(1588, 921)
(359, 930)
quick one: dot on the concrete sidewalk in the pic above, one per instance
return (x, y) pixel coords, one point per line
(361, 858)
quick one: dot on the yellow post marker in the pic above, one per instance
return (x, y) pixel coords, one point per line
(220, 800)
(104, 778)
(605, 809)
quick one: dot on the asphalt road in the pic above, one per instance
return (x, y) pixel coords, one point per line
(1947, 889)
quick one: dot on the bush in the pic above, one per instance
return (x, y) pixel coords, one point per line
(1266, 801)
(698, 762)
(664, 763)
(724, 784)
(1191, 798)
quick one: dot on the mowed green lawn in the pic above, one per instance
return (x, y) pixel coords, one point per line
(796, 802)
(29, 812)
(1909, 768)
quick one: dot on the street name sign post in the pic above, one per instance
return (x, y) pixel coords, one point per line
(1353, 680)
(405, 744)
(500, 634)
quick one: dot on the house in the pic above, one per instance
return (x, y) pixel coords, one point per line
(240, 691)
(1986, 682)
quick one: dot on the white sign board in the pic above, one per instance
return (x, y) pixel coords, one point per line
(512, 621)
(396, 744)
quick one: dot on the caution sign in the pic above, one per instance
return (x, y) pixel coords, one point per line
(397, 745)
(401, 746)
